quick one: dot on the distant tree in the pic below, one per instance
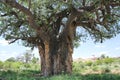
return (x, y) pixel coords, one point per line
(35, 60)
(107, 57)
(27, 56)
(20, 58)
(102, 56)
(11, 59)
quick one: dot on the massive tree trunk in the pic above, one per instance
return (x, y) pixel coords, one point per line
(56, 58)
(56, 55)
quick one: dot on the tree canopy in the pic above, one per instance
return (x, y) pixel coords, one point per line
(33, 20)
(52, 26)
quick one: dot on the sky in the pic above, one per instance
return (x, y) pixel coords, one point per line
(110, 47)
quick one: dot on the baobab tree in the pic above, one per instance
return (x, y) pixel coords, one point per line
(50, 25)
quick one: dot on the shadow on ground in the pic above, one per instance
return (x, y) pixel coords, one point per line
(30, 75)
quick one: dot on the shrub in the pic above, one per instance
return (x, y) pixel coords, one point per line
(89, 63)
(98, 62)
(95, 68)
(27, 65)
(16, 65)
(108, 60)
(105, 60)
(78, 66)
(7, 65)
(106, 70)
(1, 64)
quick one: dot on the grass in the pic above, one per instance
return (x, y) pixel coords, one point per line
(18, 75)
(30, 75)
(107, 70)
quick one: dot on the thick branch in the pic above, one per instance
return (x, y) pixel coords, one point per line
(26, 11)
(32, 40)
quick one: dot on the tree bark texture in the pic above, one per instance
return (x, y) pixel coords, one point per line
(56, 55)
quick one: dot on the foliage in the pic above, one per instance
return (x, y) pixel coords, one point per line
(78, 67)
(89, 63)
(97, 18)
(35, 60)
(95, 68)
(81, 71)
(11, 59)
(28, 75)
(108, 60)
(7, 65)
(106, 70)
(17, 65)
(1, 64)
(103, 56)
(27, 56)
(43, 22)
(105, 61)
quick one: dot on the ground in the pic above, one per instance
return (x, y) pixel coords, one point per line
(103, 69)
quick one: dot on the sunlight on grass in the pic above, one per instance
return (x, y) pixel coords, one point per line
(89, 70)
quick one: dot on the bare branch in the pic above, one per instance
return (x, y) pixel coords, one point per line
(32, 40)
(10, 42)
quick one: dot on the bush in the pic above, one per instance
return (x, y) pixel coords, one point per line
(108, 60)
(89, 63)
(1, 64)
(106, 70)
(98, 62)
(95, 68)
(16, 65)
(104, 61)
(78, 66)
(7, 65)
(26, 65)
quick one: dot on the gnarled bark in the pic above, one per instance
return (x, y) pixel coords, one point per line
(56, 56)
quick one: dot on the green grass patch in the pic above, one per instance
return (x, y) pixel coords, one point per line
(32, 75)
(103, 69)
